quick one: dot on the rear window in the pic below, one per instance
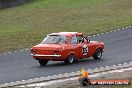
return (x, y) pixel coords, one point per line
(55, 39)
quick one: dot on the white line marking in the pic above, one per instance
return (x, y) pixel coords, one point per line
(43, 77)
(13, 51)
(97, 34)
(23, 80)
(120, 71)
(9, 52)
(102, 33)
(6, 83)
(119, 64)
(130, 26)
(11, 82)
(17, 81)
(107, 66)
(114, 30)
(54, 75)
(42, 84)
(78, 71)
(50, 76)
(127, 69)
(101, 67)
(94, 75)
(72, 72)
(130, 62)
(112, 71)
(118, 29)
(88, 36)
(30, 79)
(126, 27)
(125, 63)
(36, 78)
(95, 68)
(94, 35)
(110, 31)
(114, 65)
(123, 28)
(26, 49)
(104, 73)
(21, 50)
(107, 32)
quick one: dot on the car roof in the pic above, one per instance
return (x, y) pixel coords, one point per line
(66, 33)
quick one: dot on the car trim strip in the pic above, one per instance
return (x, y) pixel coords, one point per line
(40, 55)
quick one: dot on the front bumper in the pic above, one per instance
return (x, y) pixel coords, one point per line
(41, 55)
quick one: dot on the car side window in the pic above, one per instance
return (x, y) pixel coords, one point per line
(74, 40)
(63, 40)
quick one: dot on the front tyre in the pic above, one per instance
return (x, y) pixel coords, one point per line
(69, 59)
(42, 62)
(98, 54)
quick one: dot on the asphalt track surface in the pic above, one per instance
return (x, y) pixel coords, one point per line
(20, 65)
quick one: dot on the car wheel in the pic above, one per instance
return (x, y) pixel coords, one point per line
(69, 59)
(42, 62)
(98, 54)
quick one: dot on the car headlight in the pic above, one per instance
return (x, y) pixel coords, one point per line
(33, 51)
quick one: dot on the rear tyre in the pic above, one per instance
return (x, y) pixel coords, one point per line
(69, 59)
(98, 54)
(42, 62)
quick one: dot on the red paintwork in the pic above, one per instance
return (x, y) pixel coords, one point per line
(65, 49)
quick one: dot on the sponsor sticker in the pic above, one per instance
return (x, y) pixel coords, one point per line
(85, 50)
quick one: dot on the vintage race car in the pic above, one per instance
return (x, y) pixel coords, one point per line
(67, 47)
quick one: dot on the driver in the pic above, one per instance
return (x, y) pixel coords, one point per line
(80, 39)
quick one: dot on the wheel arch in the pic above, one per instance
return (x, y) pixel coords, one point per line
(71, 53)
(99, 47)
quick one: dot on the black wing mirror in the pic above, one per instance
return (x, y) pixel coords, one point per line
(88, 40)
(86, 37)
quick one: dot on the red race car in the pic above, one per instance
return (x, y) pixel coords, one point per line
(67, 47)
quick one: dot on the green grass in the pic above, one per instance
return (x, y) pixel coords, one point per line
(26, 25)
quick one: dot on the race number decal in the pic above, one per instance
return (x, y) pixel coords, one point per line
(85, 50)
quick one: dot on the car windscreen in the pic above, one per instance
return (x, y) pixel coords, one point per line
(55, 39)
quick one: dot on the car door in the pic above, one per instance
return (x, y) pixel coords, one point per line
(75, 47)
(85, 46)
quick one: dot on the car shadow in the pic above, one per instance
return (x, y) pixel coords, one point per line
(80, 62)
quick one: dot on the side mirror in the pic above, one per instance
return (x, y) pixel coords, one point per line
(88, 40)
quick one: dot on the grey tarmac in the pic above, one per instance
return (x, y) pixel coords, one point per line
(19, 65)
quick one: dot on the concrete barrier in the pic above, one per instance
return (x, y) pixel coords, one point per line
(11, 3)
